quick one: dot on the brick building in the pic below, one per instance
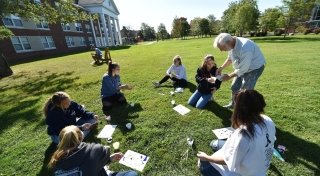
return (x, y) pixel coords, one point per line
(32, 40)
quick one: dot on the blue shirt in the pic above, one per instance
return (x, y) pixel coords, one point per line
(98, 52)
(246, 56)
(110, 85)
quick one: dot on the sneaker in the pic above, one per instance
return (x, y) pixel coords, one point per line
(156, 84)
(229, 106)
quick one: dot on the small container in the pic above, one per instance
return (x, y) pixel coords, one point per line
(109, 140)
(129, 126)
(171, 93)
(173, 102)
(190, 142)
(132, 105)
(108, 118)
(116, 145)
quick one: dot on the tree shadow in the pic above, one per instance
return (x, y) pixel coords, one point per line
(223, 113)
(47, 156)
(274, 169)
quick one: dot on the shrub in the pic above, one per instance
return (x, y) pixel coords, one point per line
(278, 32)
(316, 31)
(307, 31)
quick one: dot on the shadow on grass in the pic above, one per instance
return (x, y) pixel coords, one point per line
(223, 113)
(47, 156)
(192, 87)
(121, 115)
(280, 39)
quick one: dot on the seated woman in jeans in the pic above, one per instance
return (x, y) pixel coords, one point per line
(208, 84)
(249, 149)
(60, 111)
(74, 157)
(111, 86)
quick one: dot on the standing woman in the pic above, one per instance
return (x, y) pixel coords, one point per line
(249, 149)
(74, 157)
(60, 111)
(177, 73)
(111, 88)
(208, 84)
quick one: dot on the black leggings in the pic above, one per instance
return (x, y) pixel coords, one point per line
(108, 102)
(176, 82)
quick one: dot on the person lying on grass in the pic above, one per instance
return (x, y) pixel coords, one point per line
(177, 73)
(208, 84)
(249, 149)
(74, 157)
(60, 111)
(111, 88)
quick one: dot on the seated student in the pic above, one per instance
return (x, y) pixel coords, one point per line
(249, 149)
(208, 84)
(74, 157)
(60, 111)
(177, 73)
(111, 86)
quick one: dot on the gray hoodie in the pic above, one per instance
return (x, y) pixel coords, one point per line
(88, 159)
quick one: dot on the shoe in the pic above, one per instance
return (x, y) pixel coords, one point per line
(217, 144)
(156, 84)
(229, 106)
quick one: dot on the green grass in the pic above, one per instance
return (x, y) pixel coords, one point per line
(290, 84)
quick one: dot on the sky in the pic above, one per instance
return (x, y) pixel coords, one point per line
(154, 12)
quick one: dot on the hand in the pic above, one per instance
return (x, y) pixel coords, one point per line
(96, 117)
(226, 77)
(172, 75)
(128, 87)
(219, 70)
(86, 126)
(116, 156)
(211, 80)
(202, 156)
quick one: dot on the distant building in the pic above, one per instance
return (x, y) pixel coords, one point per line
(32, 40)
(314, 21)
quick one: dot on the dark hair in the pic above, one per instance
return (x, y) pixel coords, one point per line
(248, 107)
(111, 67)
(55, 101)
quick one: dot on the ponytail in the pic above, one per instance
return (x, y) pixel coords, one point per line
(55, 101)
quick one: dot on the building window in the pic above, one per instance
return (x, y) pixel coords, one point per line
(78, 27)
(88, 28)
(65, 27)
(91, 42)
(48, 42)
(20, 43)
(70, 41)
(12, 21)
(42, 25)
(82, 41)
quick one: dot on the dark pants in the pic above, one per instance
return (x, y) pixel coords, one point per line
(108, 102)
(207, 169)
(176, 82)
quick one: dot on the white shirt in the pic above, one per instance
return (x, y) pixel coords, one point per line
(179, 71)
(248, 157)
(246, 56)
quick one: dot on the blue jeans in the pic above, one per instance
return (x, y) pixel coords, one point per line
(81, 121)
(126, 173)
(247, 80)
(199, 100)
(207, 169)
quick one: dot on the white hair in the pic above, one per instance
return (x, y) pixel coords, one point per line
(222, 39)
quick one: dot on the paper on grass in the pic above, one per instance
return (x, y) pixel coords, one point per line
(107, 131)
(181, 109)
(134, 160)
(223, 133)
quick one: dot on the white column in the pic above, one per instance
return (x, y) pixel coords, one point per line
(116, 35)
(110, 31)
(93, 31)
(120, 38)
(101, 42)
(105, 29)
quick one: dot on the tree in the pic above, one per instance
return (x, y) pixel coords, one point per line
(180, 27)
(204, 27)
(269, 18)
(195, 27)
(162, 32)
(148, 32)
(228, 18)
(212, 24)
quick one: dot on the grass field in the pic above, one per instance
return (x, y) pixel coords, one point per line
(290, 84)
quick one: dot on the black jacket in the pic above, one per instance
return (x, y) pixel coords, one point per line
(203, 85)
(89, 159)
(57, 119)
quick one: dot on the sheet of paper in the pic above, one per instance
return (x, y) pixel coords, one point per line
(223, 133)
(181, 109)
(107, 131)
(134, 160)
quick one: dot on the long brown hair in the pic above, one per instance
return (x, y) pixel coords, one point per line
(70, 137)
(177, 58)
(55, 100)
(205, 61)
(248, 108)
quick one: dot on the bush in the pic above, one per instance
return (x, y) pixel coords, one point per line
(252, 33)
(278, 32)
(316, 31)
(261, 34)
(307, 31)
(301, 29)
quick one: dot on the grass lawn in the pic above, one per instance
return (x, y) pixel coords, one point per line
(290, 84)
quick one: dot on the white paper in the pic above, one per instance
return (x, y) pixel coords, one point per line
(107, 131)
(181, 109)
(134, 160)
(223, 133)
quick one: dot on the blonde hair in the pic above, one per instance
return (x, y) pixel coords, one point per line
(177, 58)
(206, 59)
(55, 100)
(70, 137)
(222, 39)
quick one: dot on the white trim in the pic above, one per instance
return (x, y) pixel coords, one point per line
(21, 43)
(47, 42)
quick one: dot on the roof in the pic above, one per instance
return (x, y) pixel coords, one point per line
(97, 2)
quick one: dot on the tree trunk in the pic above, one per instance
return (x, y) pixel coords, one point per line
(5, 69)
